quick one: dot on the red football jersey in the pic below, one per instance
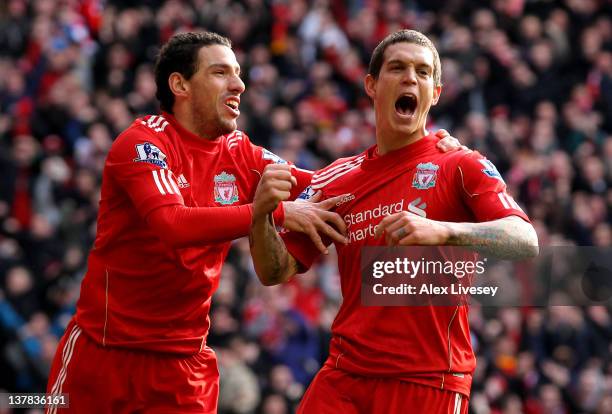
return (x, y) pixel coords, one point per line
(425, 344)
(138, 291)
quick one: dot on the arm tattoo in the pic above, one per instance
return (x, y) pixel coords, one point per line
(507, 238)
(273, 263)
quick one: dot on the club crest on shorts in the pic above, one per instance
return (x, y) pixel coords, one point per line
(148, 152)
(425, 176)
(226, 190)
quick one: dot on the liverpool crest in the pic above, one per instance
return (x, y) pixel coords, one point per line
(226, 190)
(425, 176)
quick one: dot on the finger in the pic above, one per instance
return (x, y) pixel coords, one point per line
(279, 175)
(317, 197)
(443, 145)
(280, 185)
(398, 234)
(395, 226)
(448, 144)
(293, 181)
(335, 219)
(277, 167)
(316, 239)
(331, 232)
(384, 223)
(409, 240)
(396, 231)
(332, 202)
(442, 133)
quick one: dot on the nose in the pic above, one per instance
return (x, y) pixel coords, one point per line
(410, 76)
(237, 85)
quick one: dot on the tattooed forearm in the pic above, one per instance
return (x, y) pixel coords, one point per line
(273, 263)
(507, 238)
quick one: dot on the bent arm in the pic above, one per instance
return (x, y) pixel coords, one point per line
(273, 262)
(507, 238)
(181, 226)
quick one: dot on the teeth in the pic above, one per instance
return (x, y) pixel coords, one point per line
(232, 104)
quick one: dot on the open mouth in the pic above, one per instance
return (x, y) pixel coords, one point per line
(406, 105)
(233, 104)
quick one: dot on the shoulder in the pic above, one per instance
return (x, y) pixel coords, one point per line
(151, 127)
(463, 160)
(335, 171)
(478, 174)
(236, 139)
(239, 144)
(473, 161)
(147, 139)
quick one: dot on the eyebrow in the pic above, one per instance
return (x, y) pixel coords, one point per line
(403, 62)
(224, 66)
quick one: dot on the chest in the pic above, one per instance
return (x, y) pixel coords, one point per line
(215, 179)
(426, 189)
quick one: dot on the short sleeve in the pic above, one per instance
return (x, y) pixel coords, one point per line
(140, 164)
(484, 190)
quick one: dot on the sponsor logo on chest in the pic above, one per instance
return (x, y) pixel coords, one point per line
(425, 176)
(226, 190)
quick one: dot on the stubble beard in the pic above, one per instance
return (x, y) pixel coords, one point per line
(210, 124)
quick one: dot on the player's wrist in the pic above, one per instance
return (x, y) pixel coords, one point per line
(279, 214)
(449, 233)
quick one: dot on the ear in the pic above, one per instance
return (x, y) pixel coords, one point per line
(369, 83)
(178, 84)
(436, 94)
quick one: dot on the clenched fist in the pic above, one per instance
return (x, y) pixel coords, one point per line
(274, 187)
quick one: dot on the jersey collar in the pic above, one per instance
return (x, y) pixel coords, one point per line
(375, 161)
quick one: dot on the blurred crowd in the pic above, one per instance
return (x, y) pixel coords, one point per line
(526, 82)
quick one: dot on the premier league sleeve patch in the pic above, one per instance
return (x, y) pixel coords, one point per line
(268, 155)
(307, 194)
(490, 170)
(148, 152)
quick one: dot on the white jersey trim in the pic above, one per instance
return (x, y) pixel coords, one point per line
(336, 169)
(155, 122)
(66, 357)
(320, 184)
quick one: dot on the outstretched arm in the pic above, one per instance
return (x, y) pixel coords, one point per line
(506, 238)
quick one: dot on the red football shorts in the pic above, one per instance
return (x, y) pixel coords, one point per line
(98, 379)
(334, 391)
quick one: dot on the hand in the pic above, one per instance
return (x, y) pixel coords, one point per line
(405, 229)
(274, 187)
(447, 142)
(312, 217)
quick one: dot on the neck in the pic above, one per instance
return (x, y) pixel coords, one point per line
(390, 142)
(188, 121)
